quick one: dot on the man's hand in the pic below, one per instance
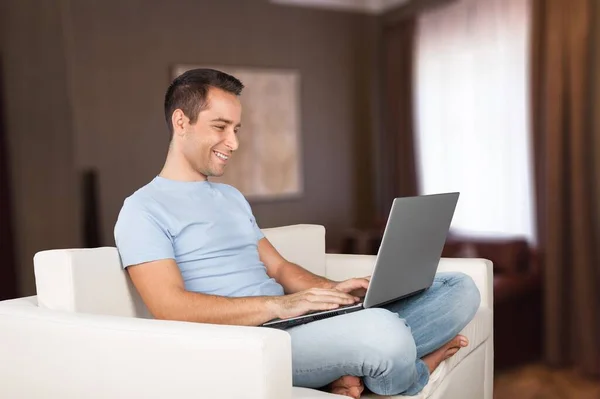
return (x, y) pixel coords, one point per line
(355, 286)
(313, 299)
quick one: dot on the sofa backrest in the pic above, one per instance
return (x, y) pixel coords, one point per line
(92, 280)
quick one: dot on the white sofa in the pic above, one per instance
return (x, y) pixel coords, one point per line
(88, 335)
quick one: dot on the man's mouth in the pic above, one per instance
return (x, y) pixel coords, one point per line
(221, 156)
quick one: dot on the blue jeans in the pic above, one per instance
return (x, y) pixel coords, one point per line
(385, 345)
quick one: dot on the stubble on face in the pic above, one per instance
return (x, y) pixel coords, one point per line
(212, 140)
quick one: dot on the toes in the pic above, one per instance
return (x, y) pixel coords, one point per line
(355, 392)
(459, 341)
(451, 352)
(348, 386)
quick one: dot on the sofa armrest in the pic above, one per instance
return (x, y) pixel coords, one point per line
(341, 266)
(68, 355)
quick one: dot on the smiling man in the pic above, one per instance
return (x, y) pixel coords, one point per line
(194, 252)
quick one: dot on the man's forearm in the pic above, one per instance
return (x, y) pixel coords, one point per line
(201, 308)
(294, 278)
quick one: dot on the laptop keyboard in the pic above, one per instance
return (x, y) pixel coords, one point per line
(336, 309)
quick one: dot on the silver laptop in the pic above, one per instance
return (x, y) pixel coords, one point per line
(407, 259)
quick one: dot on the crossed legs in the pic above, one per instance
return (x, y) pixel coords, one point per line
(392, 349)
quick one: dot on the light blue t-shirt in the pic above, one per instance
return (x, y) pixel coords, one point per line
(207, 228)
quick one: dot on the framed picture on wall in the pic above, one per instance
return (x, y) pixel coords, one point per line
(268, 162)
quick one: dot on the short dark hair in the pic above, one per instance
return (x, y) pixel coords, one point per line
(189, 90)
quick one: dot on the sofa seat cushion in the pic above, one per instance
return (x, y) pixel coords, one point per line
(306, 393)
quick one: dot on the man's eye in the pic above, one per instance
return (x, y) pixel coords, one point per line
(220, 128)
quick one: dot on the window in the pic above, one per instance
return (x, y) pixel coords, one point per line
(472, 113)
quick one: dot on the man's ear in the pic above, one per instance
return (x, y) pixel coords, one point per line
(179, 121)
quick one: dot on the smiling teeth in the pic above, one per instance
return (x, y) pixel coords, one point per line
(223, 157)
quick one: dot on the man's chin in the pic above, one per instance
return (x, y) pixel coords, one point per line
(216, 173)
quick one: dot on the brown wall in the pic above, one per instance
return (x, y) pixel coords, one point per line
(39, 131)
(8, 282)
(121, 55)
(99, 104)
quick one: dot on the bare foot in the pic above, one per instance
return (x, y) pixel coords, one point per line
(434, 359)
(348, 385)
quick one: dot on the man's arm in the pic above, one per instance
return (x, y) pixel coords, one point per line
(294, 278)
(161, 287)
(291, 276)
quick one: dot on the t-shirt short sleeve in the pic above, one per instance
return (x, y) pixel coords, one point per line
(259, 234)
(140, 237)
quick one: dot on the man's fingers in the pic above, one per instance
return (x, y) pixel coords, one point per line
(334, 292)
(361, 280)
(323, 306)
(331, 297)
(363, 283)
(335, 299)
(356, 283)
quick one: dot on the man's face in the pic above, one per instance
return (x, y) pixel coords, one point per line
(209, 143)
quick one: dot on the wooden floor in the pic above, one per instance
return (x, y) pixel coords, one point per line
(540, 382)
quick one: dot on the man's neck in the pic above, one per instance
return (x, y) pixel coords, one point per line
(177, 168)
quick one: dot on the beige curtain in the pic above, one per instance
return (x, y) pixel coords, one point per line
(471, 100)
(565, 142)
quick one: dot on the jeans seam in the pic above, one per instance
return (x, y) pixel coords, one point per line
(388, 384)
(311, 370)
(445, 280)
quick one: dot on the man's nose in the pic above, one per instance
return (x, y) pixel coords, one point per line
(231, 141)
